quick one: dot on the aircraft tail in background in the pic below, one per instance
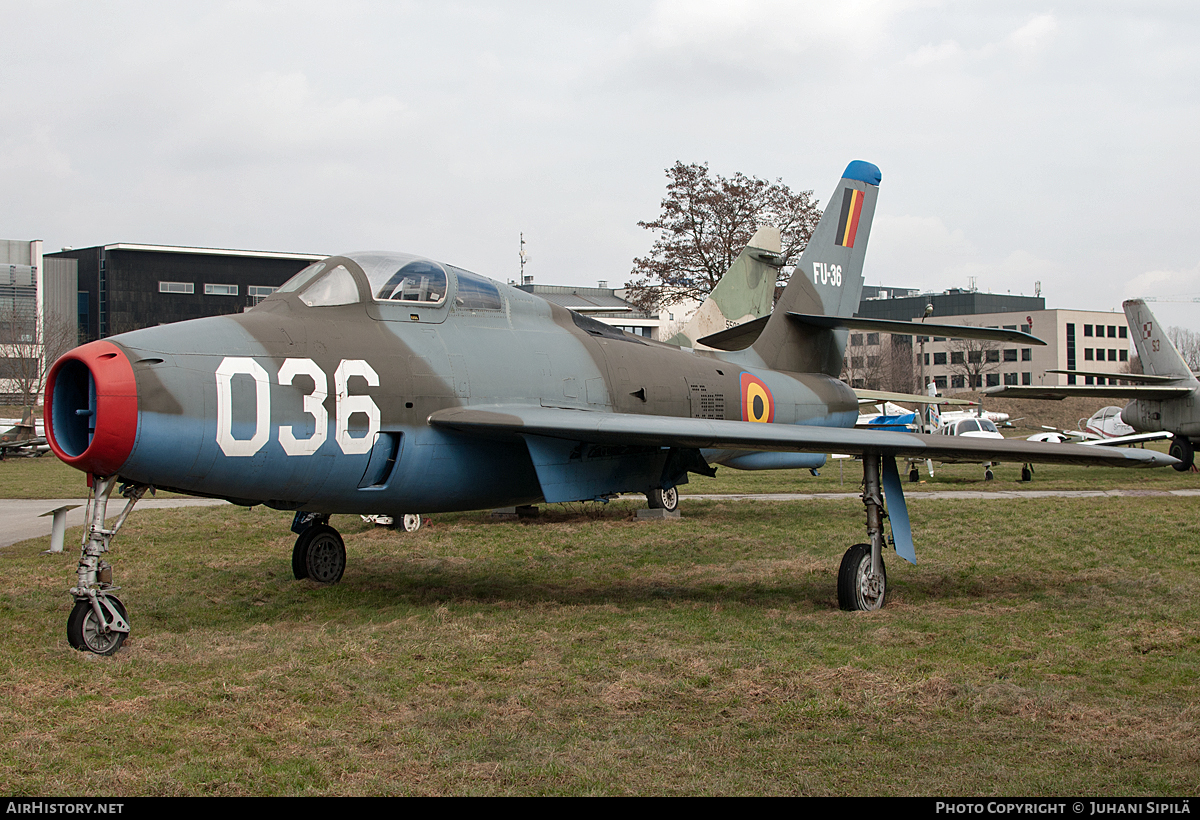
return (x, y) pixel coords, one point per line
(746, 292)
(1158, 356)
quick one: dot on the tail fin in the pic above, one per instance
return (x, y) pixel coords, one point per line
(1158, 356)
(828, 280)
(745, 292)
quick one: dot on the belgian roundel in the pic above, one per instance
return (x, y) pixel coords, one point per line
(757, 402)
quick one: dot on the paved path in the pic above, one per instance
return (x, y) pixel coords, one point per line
(19, 517)
(951, 494)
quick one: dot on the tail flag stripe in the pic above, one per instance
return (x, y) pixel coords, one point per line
(852, 202)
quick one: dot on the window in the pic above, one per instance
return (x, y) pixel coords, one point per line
(1124, 354)
(1112, 332)
(1087, 354)
(957, 381)
(975, 356)
(992, 355)
(1010, 327)
(220, 290)
(1010, 355)
(418, 281)
(856, 340)
(477, 293)
(939, 358)
(1089, 380)
(1087, 330)
(176, 287)
(993, 379)
(956, 357)
(927, 360)
(1123, 332)
(939, 382)
(1027, 328)
(336, 287)
(872, 339)
(1027, 378)
(1027, 354)
(1010, 378)
(1112, 355)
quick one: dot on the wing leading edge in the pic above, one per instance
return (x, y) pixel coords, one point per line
(668, 431)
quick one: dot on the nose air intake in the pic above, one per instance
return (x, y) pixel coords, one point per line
(91, 398)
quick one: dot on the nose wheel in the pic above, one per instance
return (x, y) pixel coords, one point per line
(101, 634)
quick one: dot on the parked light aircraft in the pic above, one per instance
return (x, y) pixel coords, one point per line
(1166, 398)
(23, 436)
(385, 383)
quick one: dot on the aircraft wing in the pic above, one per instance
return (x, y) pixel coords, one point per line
(1120, 441)
(1057, 392)
(670, 431)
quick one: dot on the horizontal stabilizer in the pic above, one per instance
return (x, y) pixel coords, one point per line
(871, 396)
(1058, 392)
(739, 337)
(993, 334)
(1134, 378)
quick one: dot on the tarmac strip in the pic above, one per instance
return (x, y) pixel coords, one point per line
(950, 495)
(20, 518)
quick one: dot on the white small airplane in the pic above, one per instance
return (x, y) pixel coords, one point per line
(1105, 428)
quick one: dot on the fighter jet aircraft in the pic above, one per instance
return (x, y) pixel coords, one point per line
(1166, 398)
(384, 382)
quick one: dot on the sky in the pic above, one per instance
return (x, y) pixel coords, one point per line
(1018, 142)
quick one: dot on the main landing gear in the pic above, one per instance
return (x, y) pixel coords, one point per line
(99, 622)
(661, 499)
(862, 577)
(320, 553)
(1182, 449)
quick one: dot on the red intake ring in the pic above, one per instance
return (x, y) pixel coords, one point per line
(92, 408)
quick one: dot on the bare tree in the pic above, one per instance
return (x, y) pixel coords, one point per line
(28, 348)
(1187, 342)
(974, 359)
(705, 223)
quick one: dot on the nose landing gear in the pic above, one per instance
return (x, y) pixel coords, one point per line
(99, 622)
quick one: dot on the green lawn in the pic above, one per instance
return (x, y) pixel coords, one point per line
(1041, 646)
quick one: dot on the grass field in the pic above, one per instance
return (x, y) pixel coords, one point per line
(47, 477)
(1041, 647)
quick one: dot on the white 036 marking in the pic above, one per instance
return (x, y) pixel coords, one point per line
(345, 406)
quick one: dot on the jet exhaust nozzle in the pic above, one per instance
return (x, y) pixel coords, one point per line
(91, 408)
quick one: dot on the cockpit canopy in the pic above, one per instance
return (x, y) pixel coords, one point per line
(395, 278)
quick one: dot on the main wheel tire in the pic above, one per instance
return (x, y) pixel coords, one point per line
(84, 631)
(1182, 449)
(325, 559)
(300, 554)
(663, 499)
(988, 475)
(1026, 473)
(914, 476)
(858, 590)
(411, 522)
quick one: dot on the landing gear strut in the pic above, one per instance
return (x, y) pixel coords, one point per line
(862, 578)
(99, 622)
